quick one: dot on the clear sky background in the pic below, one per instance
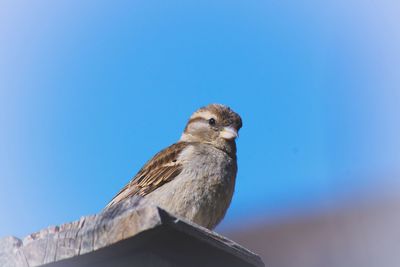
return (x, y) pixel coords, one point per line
(90, 90)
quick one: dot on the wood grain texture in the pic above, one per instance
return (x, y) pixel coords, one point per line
(129, 220)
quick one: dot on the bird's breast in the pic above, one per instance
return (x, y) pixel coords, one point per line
(203, 190)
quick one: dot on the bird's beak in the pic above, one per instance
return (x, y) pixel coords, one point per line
(228, 133)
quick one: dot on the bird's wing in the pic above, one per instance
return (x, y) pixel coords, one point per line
(161, 169)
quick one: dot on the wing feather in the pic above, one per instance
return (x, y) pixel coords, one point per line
(161, 169)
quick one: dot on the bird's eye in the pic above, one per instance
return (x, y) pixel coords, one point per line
(211, 121)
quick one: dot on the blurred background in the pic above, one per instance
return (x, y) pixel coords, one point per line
(90, 90)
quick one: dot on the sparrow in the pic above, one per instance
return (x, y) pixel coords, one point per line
(195, 177)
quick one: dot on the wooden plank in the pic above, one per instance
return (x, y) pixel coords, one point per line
(98, 235)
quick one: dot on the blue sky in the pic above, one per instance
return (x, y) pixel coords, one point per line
(89, 91)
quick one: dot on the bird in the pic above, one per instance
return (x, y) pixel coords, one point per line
(193, 178)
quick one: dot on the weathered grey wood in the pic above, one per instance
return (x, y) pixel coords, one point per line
(132, 232)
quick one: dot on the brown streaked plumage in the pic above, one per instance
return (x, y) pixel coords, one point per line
(161, 169)
(195, 177)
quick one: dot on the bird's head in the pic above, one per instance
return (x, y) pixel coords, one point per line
(214, 124)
